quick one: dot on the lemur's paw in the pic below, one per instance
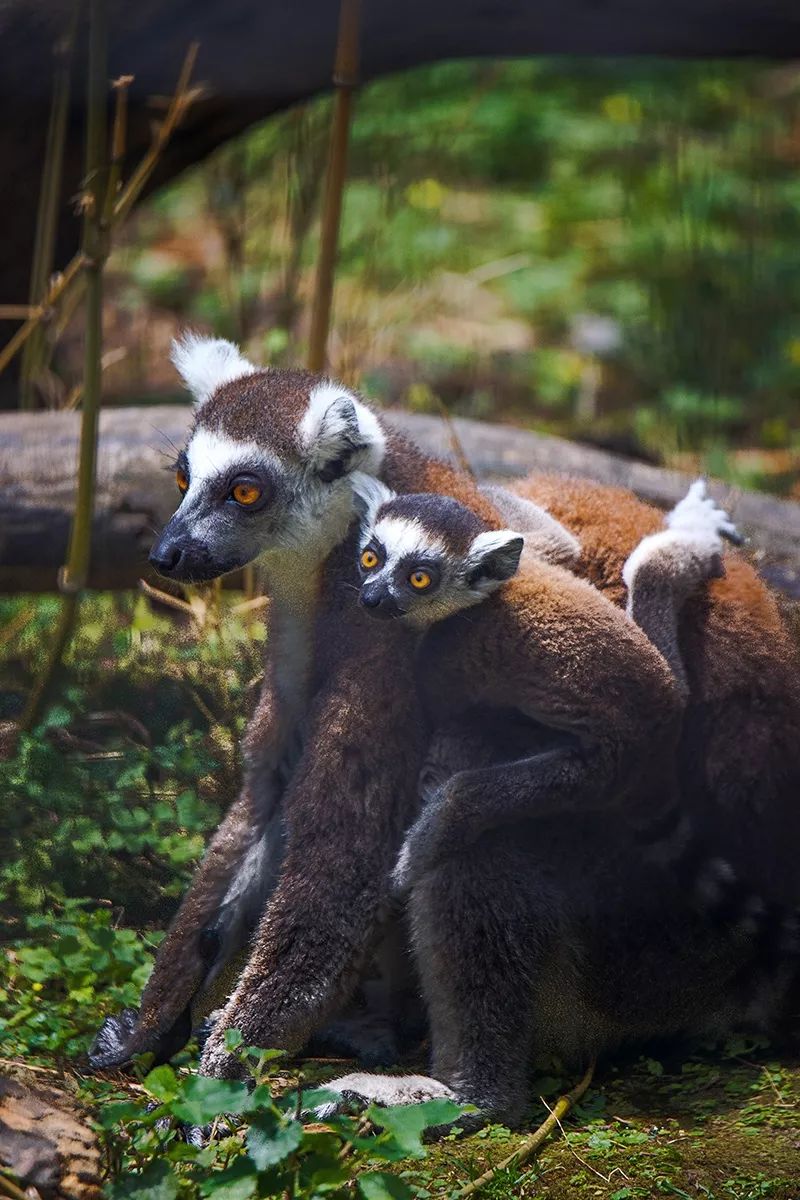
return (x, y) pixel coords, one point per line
(360, 1089)
(700, 515)
(110, 1045)
(419, 851)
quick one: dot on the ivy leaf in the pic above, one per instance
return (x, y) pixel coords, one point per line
(233, 1039)
(270, 1141)
(156, 1182)
(377, 1185)
(406, 1123)
(162, 1083)
(238, 1182)
(203, 1098)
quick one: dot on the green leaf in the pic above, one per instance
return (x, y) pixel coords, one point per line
(406, 1123)
(270, 1141)
(239, 1182)
(203, 1098)
(163, 1084)
(233, 1039)
(377, 1185)
(156, 1182)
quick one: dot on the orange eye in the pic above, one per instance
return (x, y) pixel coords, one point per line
(369, 560)
(420, 580)
(182, 480)
(246, 493)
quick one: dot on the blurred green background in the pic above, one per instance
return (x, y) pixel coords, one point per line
(604, 249)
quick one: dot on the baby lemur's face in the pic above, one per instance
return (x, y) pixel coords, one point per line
(425, 557)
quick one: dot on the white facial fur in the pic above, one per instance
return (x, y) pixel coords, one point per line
(402, 538)
(212, 454)
(205, 364)
(405, 540)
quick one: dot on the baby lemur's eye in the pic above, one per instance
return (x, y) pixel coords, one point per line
(420, 580)
(246, 492)
(182, 480)
(369, 559)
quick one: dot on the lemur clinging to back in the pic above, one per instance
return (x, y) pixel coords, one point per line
(333, 749)
(543, 645)
(558, 656)
(524, 972)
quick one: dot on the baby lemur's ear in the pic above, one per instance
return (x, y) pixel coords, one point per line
(339, 434)
(204, 364)
(369, 494)
(493, 558)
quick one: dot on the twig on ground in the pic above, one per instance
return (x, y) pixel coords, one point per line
(531, 1146)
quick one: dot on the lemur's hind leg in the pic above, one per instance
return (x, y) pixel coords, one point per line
(479, 943)
(667, 567)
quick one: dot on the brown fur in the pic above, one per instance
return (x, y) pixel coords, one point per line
(740, 752)
(551, 649)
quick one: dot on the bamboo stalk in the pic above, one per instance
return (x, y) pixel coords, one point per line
(96, 245)
(95, 251)
(532, 1145)
(181, 100)
(35, 353)
(18, 312)
(345, 79)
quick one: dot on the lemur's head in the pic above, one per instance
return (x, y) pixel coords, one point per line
(267, 465)
(424, 557)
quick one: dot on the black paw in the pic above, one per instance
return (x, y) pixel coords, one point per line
(110, 1045)
(116, 1041)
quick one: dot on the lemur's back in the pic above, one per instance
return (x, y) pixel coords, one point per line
(741, 742)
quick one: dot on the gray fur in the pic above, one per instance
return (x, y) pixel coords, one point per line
(545, 537)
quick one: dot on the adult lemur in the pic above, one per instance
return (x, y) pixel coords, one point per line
(524, 937)
(334, 748)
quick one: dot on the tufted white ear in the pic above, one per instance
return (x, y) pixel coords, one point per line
(493, 558)
(369, 495)
(339, 434)
(204, 364)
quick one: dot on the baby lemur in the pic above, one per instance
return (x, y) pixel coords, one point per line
(557, 657)
(523, 928)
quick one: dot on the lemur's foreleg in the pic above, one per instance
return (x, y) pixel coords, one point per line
(667, 567)
(218, 913)
(345, 811)
(562, 781)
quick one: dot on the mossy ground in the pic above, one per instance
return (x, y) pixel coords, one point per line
(724, 1126)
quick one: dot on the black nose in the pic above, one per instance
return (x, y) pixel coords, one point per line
(165, 557)
(379, 601)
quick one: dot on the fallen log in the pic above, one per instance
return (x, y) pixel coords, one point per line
(136, 488)
(46, 1144)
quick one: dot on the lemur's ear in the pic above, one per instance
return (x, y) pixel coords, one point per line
(204, 364)
(493, 558)
(339, 434)
(369, 494)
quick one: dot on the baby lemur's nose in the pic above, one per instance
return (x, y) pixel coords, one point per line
(378, 601)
